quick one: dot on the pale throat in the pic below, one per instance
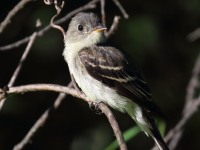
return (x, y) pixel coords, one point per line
(73, 47)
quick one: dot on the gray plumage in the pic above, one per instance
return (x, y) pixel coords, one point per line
(104, 74)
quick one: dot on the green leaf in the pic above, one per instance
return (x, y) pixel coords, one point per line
(128, 134)
(162, 127)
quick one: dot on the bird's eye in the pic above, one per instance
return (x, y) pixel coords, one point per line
(80, 27)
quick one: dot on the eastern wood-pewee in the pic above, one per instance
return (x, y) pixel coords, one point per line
(104, 75)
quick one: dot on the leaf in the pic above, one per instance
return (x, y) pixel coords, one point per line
(128, 134)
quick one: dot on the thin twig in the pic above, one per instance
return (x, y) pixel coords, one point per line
(103, 14)
(23, 58)
(20, 64)
(41, 121)
(114, 125)
(42, 87)
(58, 9)
(194, 82)
(194, 35)
(117, 3)
(113, 26)
(15, 44)
(48, 2)
(12, 13)
(59, 100)
(90, 5)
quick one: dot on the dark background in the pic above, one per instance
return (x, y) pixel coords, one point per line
(155, 36)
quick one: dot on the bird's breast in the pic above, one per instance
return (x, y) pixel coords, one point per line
(95, 90)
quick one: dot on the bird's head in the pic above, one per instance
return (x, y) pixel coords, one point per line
(85, 29)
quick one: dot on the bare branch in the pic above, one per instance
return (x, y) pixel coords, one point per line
(194, 35)
(114, 125)
(59, 99)
(58, 9)
(23, 58)
(90, 5)
(16, 44)
(48, 2)
(20, 64)
(113, 27)
(41, 121)
(194, 82)
(70, 91)
(12, 13)
(41, 87)
(117, 3)
(103, 14)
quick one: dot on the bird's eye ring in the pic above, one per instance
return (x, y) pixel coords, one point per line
(80, 27)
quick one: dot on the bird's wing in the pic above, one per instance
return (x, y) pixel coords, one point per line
(108, 65)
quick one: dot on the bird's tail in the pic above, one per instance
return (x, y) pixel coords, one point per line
(147, 124)
(161, 144)
(155, 134)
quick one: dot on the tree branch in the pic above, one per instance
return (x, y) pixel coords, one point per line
(103, 14)
(12, 13)
(41, 121)
(58, 10)
(113, 27)
(70, 91)
(194, 35)
(40, 87)
(23, 58)
(114, 125)
(20, 64)
(117, 3)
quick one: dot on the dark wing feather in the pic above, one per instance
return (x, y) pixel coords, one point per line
(109, 66)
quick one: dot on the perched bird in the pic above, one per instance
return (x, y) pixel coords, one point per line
(104, 74)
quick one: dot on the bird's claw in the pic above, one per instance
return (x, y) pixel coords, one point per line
(95, 107)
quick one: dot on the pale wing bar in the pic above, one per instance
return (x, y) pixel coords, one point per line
(111, 68)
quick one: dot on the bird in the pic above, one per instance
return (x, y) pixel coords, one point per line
(104, 74)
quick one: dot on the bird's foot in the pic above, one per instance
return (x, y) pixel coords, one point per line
(95, 107)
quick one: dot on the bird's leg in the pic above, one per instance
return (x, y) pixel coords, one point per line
(95, 107)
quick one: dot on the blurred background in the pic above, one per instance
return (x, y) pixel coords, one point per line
(155, 36)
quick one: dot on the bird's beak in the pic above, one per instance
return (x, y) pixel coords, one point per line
(99, 29)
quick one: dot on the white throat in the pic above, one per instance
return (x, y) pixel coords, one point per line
(73, 47)
(71, 50)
